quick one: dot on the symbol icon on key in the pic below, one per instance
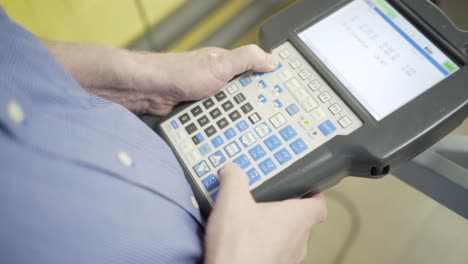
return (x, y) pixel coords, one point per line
(217, 158)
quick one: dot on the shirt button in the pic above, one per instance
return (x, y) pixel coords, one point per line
(15, 112)
(195, 203)
(125, 159)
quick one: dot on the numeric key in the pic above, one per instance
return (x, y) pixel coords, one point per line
(215, 113)
(184, 118)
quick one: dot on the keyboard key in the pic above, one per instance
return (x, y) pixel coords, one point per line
(262, 84)
(245, 81)
(285, 75)
(272, 142)
(232, 149)
(227, 106)
(298, 146)
(262, 130)
(222, 123)
(217, 141)
(292, 85)
(277, 103)
(277, 90)
(233, 88)
(242, 161)
(217, 159)
(325, 97)
(242, 125)
(278, 67)
(210, 183)
(196, 110)
(292, 109)
(295, 63)
(220, 96)
(258, 74)
(247, 108)
(209, 131)
(239, 98)
(208, 103)
(193, 157)
(278, 120)
(284, 54)
(314, 85)
(283, 156)
(253, 175)
(309, 104)
(261, 99)
(186, 146)
(205, 149)
(301, 94)
(257, 152)
(203, 121)
(230, 133)
(174, 124)
(255, 118)
(248, 139)
(214, 196)
(191, 128)
(267, 166)
(201, 168)
(305, 74)
(335, 109)
(345, 122)
(234, 116)
(327, 128)
(184, 118)
(288, 133)
(198, 138)
(215, 113)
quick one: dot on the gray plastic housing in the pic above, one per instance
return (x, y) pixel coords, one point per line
(376, 148)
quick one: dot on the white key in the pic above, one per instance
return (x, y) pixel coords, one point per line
(292, 84)
(309, 104)
(345, 122)
(262, 130)
(318, 114)
(180, 135)
(248, 139)
(186, 145)
(325, 97)
(285, 75)
(301, 94)
(314, 85)
(295, 63)
(232, 149)
(278, 120)
(193, 157)
(335, 109)
(285, 54)
(233, 88)
(305, 74)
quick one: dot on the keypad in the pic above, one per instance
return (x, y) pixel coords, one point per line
(264, 122)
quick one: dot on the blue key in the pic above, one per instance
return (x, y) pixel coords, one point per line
(258, 74)
(279, 67)
(242, 125)
(277, 103)
(230, 133)
(262, 99)
(257, 152)
(174, 124)
(283, 156)
(217, 141)
(242, 161)
(253, 175)
(292, 109)
(205, 149)
(262, 84)
(210, 182)
(327, 128)
(217, 158)
(245, 81)
(298, 146)
(288, 133)
(277, 89)
(272, 142)
(267, 166)
(201, 168)
(263, 130)
(214, 196)
(200, 137)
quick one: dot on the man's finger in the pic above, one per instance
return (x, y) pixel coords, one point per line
(234, 185)
(251, 57)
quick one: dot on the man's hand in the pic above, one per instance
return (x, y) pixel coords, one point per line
(156, 82)
(242, 231)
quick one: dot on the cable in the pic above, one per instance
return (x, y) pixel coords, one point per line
(355, 224)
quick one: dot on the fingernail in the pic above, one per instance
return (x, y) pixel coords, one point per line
(272, 61)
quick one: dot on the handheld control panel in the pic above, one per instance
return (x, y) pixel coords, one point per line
(362, 86)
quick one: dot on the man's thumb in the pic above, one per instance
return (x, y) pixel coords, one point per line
(234, 184)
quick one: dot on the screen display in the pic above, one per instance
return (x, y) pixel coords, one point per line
(382, 59)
